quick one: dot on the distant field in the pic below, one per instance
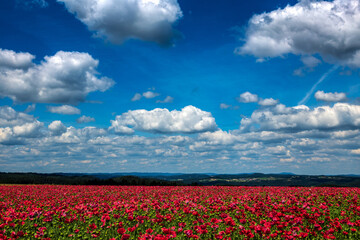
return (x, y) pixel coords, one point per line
(178, 212)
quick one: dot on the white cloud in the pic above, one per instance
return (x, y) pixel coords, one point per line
(57, 128)
(63, 148)
(64, 109)
(13, 60)
(9, 117)
(287, 160)
(16, 125)
(248, 97)
(66, 77)
(323, 77)
(117, 21)
(307, 144)
(168, 99)
(28, 129)
(327, 28)
(268, 102)
(85, 119)
(301, 118)
(345, 134)
(356, 151)
(330, 97)
(73, 135)
(150, 94)
(189, 120)
(6, 135)
(264, 136)
(218, 137)
(136, 97)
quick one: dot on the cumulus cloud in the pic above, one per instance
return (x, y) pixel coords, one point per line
(16, 125)
(327, 28)
(9, 117)
(57, 128)
(148, 95)
(268, 102)
(85, 119)
(28, 129)
(218, 137)
(6, 136)
(117, 21)
(330, 97)
(168, 99)
(12, 60)
(66, 77)
(323, 77)
(64, 109)
(247, 97)
(82, 135)
(189, 120)
(300, 118)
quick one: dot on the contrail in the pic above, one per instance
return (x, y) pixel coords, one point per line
(309, 93)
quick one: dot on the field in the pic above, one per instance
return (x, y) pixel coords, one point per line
(135, 212)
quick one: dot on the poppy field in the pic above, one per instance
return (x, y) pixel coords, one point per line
(136, 212)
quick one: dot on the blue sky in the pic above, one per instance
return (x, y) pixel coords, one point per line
(180, 86)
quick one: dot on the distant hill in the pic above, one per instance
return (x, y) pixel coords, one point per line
(80, 179)
(174, 179)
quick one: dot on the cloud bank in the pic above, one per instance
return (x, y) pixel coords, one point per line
(308, 147)
(117, 21)
(340, 116)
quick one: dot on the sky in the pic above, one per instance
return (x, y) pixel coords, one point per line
(180, 86)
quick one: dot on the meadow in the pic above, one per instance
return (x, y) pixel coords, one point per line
(178, 212)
